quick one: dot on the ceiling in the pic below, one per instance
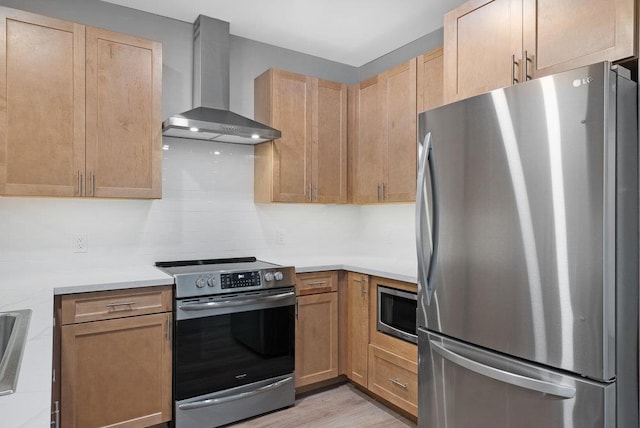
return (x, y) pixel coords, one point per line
(351, 32)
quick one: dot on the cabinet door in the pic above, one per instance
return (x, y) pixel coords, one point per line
(329, 152)
(561, 35)
(316, 338)
(42, 102)
(394, 378)
(369, 143)
(117, 372)
(480, 39)
(124, 141)
(399, 165)
(430, 83)
(358, 327)
(291, 114)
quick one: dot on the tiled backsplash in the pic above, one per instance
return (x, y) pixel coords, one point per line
(207, 210)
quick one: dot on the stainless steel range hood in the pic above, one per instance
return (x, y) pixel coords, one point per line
(211, 118)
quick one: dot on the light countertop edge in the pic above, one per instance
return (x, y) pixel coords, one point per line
(359, 269)
(110, 286)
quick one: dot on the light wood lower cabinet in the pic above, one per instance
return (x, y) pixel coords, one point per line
(358, 327)
(316, 338)
(316, 327)
(394, 378)
(116, 372)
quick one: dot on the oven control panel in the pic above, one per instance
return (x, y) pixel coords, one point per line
(199, 281)
(240, 279)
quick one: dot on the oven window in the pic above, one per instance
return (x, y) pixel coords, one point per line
(224, 351)
(398, 312)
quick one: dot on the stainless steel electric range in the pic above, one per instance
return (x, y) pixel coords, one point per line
(234, 339)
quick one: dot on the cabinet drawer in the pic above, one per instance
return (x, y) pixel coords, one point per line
(84, 307)
(316, 282)
(394, 378)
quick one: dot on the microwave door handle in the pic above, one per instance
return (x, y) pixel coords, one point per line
(214, 401)
(426, 276)
(398, 332)
(235, 302)
(558, 390)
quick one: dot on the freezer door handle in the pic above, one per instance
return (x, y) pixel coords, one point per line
(425, 276)
(562, 391)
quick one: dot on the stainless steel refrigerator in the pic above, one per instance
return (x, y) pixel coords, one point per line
(527, 235)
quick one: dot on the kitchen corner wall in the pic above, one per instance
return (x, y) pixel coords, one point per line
(207, 209)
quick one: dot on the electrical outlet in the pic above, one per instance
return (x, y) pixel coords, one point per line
(280, 238)
(80, 243)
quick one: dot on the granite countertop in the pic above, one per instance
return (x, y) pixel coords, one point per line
(33, 286)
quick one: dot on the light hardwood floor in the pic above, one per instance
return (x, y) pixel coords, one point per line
(342, 406)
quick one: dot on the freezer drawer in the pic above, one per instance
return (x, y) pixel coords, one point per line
(461, 386)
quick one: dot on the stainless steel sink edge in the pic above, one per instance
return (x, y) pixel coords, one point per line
(10, 363)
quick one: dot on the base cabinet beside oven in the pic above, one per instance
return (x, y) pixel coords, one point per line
(115, 358)
(316, 327)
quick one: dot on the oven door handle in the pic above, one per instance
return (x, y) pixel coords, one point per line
(235, 302)
(221, 400)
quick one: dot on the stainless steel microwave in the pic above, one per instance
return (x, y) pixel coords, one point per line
(397, 313)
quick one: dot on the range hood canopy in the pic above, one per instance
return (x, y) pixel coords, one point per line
(211, 119)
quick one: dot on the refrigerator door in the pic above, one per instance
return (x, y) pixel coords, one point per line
(526, 248)
(466, 387)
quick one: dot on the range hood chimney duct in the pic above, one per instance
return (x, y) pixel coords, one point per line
(211, 118)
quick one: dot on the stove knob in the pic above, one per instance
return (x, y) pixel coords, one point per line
(200, 282)
(211, 282)
(278, 275)
(268, 276)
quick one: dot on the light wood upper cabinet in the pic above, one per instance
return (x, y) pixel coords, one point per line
(367, 139)
(481, 38)
(357, 327)
(490, 44)
(329, 153)
(430, 87)
(80, 110)
(383, 136)
(42, 105)
(124, 95)
(308, 163)
(561, 35)
(399, 172)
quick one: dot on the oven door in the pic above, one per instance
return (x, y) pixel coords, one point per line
(227, 341)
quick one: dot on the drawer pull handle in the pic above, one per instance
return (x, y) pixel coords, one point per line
(398, 383)
(317, 283)
(116, 305)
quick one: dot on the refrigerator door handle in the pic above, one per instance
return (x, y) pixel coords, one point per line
(425, 276)
(558, 390)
